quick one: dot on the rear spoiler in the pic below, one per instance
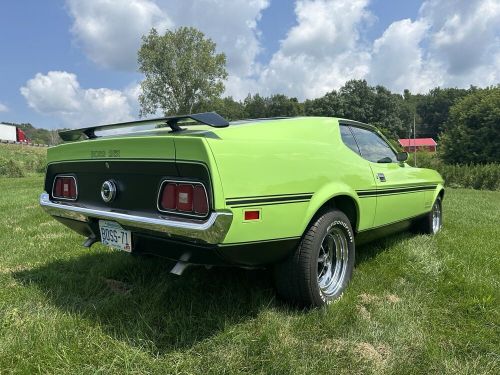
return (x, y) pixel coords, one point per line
(208, 118)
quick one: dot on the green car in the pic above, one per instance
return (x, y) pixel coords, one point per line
(294, 194)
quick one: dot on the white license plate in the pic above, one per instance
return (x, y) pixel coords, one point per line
(112, 234)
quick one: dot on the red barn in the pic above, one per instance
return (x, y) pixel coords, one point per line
(421, 144)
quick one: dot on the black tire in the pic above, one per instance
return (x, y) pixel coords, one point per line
(298, 278)
(432, 222)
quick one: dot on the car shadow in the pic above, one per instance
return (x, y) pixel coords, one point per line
(370, 250)
(138, 301)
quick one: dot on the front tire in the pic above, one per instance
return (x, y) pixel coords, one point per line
(319, 270)
(433, 221)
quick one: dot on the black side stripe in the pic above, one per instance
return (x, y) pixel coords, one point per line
(269, 200)
(269, 196)
(269, 204)
(393, 191)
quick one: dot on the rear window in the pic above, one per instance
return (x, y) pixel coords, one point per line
(348, 138)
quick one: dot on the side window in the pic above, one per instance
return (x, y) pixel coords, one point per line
(372, 147)
(348, 138)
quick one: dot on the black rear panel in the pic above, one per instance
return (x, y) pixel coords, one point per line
(137, 181)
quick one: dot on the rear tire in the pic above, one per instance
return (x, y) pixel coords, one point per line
(433, 221)
(319, 270)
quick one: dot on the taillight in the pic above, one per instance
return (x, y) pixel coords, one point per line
(184, 198)
(65, 188)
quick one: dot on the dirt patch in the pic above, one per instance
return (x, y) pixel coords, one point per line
(378, 355)
(364, 313)
(118, 287)
(334, 345)
(392, 298)
(368, 298)
(15, 269)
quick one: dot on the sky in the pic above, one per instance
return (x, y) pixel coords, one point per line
(72, 63)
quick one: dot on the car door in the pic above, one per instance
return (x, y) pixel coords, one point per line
(400, 192)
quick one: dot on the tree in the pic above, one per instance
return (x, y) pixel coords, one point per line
(328, 105)
(433, 109)
(181, 68)
(255, 106)
(227, 107)
(282, 105)
(473, 129)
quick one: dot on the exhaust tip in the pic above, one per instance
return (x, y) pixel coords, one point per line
(181, 264)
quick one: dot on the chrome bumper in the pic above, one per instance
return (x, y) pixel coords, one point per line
(211, 231)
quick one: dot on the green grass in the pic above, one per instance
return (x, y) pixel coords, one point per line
(416, 304)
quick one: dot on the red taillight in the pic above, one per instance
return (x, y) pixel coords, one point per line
(184, 198)
(169, 197)
(200, 202)
(65, 187)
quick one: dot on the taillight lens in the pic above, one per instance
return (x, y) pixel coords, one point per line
(200, 200)
(183, 198)
(169, 197)
(65, 188)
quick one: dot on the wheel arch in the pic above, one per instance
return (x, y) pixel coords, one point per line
(439, 192)
(342, 199)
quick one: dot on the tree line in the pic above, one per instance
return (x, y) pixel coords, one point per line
(184, 74)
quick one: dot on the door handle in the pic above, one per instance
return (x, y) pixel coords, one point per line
(381, 177)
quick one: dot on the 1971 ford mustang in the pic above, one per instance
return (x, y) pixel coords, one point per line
(294, 194)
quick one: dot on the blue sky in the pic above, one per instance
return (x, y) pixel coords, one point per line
(72, 63)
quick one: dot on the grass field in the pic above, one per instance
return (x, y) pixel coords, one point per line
(21, 160)
(416, 304)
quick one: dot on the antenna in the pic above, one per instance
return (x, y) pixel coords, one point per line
(414, 141)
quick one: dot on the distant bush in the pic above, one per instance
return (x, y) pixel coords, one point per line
(11, 168)
(19, 161)
(475, 176)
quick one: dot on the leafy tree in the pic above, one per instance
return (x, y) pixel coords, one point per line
(255, 106)
(282, 105)
(433, 109)
(227, 107)
(473, 129)
(181, 68)
(328, 105)
(358, 100)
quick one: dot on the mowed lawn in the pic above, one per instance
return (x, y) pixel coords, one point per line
(416, 304)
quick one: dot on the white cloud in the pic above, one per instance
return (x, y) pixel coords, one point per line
(450, 43)
(321, 52)
(58, 94)
(465, 38)
(232, 24)
(110, 31)
(398, 61)
(3, 107)
(325, 28)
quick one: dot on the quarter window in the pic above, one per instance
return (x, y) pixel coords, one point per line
(348, 138)
(372, 146)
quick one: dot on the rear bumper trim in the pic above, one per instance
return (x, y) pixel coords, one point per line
(211, 231)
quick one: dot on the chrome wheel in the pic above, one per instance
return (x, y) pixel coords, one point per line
(332, 261)
(436, 216)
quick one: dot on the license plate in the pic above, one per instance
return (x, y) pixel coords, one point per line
(112, 234)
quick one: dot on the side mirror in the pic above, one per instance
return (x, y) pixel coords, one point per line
(402, 156)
